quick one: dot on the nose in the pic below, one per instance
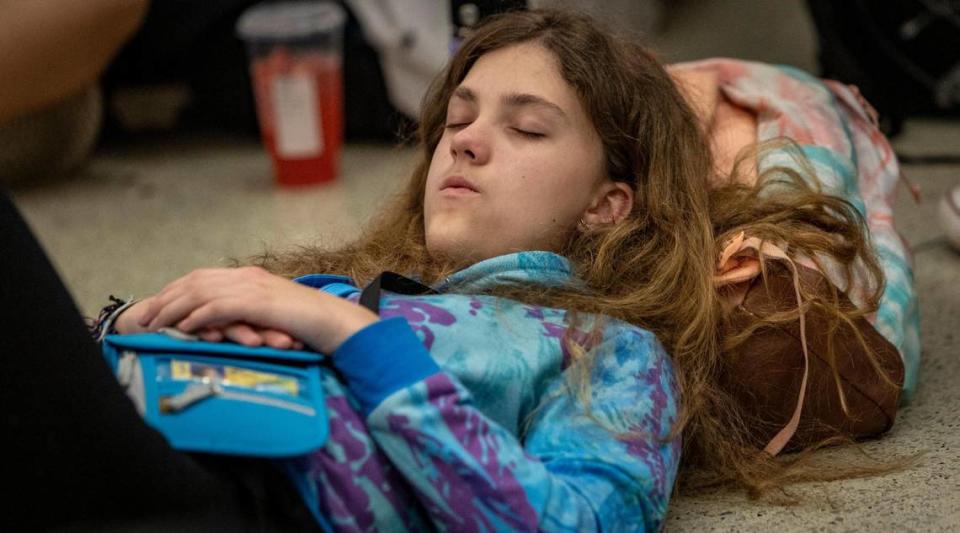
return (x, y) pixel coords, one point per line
(470, 144)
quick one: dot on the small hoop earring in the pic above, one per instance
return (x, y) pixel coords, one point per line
(583, 225)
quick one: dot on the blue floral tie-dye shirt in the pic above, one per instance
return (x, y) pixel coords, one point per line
(454, 412)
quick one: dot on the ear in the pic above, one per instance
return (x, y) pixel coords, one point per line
(612, 203)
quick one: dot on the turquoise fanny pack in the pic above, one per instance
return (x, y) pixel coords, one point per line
(221, 397)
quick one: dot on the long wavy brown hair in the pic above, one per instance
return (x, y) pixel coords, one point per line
(654, 269)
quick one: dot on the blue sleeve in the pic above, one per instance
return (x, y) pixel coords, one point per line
(611, 468)
(368, 361)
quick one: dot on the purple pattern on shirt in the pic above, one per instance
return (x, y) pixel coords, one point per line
(475, 305)
(348, 457)
(643, 445)
(418, 313)
(534, 312)
(470, 495)
(558, 331)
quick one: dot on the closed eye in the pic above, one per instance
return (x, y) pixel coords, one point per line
(529, 134)
(456, 126)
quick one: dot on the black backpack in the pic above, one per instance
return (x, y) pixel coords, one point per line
(904, 55)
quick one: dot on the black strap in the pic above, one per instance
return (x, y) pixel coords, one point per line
(393, 282)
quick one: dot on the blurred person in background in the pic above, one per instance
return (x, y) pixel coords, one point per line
(52, 52)
(904, 55)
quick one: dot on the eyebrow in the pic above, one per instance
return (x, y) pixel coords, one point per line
(514, 100)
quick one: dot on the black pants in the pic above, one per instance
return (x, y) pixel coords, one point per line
(76, 453)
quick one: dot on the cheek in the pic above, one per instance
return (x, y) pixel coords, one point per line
(438, 163)
(441, 155)
(553, 188)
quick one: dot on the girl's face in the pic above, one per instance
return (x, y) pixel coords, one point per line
(519, 162)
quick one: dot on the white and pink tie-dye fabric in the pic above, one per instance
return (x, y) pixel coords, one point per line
(836, 131)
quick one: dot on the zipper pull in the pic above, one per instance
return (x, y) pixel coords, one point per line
(125, 368)
(190, 396)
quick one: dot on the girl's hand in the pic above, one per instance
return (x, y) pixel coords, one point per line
(217, 298)
(251, 336)
(128, 322)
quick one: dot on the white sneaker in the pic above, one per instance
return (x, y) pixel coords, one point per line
(950, 215)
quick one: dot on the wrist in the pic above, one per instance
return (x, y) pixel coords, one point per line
(126, 320)
(349, 321)
(108, 321)
(360, 318)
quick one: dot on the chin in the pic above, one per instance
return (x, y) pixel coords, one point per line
(451, 247)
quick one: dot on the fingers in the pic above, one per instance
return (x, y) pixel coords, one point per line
(177, 289)
(170, 310)
(174, 304)
(247, 305)
(276, 339)
(218, 314)
(243, 334)
(201, 287)
(159, 300)
(160, 304)
(128, 321)
(210, 334)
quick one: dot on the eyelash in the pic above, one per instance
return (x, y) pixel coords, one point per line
(529, 134)
(524, 133)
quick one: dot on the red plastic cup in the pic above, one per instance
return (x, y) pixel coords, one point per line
(295, 54)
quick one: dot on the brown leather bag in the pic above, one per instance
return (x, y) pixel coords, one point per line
(764, 373)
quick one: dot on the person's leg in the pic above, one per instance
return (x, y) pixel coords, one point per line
(51, 143)
(77, 452)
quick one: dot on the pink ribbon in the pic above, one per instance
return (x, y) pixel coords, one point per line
(740, 262)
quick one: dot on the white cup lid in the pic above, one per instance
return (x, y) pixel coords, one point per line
(286, 20)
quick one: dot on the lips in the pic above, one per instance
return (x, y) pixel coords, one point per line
(457, 182)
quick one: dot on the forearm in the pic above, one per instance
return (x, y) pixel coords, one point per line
(50, 49)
